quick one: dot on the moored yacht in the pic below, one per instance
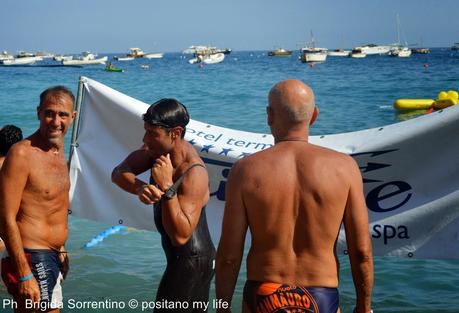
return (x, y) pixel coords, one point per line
(310, 53)
(401, 52)
(357, 54)
(280, 52)
(371, 49)
(338, 53)
(86, 58)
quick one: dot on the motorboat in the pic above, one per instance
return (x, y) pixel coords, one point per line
(212, 58)
(123, 58)
(153, 55)
(280, 52)
(338, 53)
(22, 61)
(135, 53)
(455, 46)
(372, 49)
(357, 54)
(86, 58)
(24, 54)
(201, 49)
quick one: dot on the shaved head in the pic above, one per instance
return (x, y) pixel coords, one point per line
(293, 101)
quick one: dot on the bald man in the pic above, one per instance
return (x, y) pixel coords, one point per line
(294, 197)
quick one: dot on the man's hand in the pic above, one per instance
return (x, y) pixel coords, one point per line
(149, 194)
(162, 172)
(29, 290)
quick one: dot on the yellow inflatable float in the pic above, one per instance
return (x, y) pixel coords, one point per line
(413, 104)
(444, 100)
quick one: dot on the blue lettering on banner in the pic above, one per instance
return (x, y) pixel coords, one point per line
(379, 193)
(236, 142)
(387, 232)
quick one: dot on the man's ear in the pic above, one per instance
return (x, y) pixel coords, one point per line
(314, 115)
(177, 132)
(270, 118)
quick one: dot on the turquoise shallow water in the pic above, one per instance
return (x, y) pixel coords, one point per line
(352, 94)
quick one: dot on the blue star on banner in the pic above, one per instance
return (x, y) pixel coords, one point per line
(225, 151)
(206, 148)
(192, 141)
(244, 154)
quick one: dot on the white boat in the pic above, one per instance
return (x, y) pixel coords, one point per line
(398, 50)
(5, 56)
(338, 53)
(401, 52)
(153, 55)
(24, 54)
(60, 58)
(86, 58)
(357, 54)
(371, 49)
(22, 61)
(212, 58)
(455, 47)
(198, 49)
(135, 53)
(123, 58)
(311, 53)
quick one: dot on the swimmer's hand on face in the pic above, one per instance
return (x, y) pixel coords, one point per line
(162, 172)
(149, 194)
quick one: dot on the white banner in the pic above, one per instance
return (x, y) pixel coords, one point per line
(410, 171)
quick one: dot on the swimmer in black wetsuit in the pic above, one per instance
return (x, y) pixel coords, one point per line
(179, 190)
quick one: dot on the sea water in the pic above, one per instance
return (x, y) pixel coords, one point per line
(352, 94)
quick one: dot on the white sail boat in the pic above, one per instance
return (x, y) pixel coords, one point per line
(398, 50)
(311, 53)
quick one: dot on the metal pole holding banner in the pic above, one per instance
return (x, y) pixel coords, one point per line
(76, 122)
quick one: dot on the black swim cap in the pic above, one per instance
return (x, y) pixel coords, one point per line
(167, 113)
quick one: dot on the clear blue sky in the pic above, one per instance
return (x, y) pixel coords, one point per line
(67, 26)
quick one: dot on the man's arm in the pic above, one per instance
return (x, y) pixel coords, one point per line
(180, 215)
(231, 246)
(359, 241)
(125, 176)
(13, 179)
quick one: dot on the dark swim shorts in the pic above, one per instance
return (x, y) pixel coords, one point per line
(45, 266)
(273, 297)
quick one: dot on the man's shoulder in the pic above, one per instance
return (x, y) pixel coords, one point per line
(333, 154)
(20, 149)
